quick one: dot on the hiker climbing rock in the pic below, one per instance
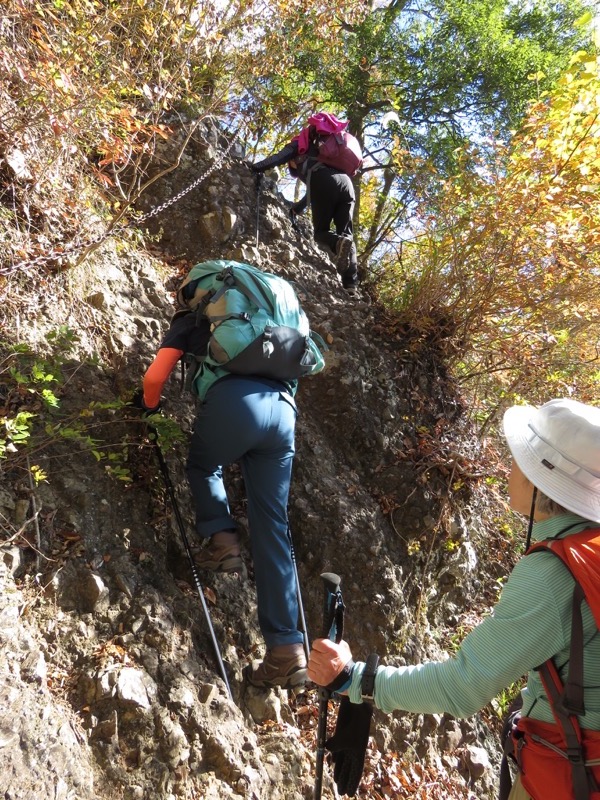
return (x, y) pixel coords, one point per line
(539, 626)
(250, 419)
(325, 157)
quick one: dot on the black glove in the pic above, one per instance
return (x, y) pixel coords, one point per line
(348, 745)
(137, 401)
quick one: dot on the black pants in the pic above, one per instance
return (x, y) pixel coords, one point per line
(332, 200)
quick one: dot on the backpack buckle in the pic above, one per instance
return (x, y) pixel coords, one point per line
(575, 755)
(268, 347)
(227, 277)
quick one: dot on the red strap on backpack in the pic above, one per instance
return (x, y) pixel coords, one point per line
(580, 552)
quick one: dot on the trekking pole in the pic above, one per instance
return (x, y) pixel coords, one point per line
(333, 610)
(259, 177)
(188, 549)
(294, 223)
(300, 604)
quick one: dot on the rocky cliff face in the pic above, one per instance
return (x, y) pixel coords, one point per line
(108, 681)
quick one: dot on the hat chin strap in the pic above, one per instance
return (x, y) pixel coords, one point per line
(531, 515)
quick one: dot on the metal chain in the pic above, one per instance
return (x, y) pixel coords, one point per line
(54, 254)
(217, 163)
(72, 248)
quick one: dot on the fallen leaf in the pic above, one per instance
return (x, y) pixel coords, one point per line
(210, 595)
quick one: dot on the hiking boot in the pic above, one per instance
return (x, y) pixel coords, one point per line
(284, 666)
(343, 251)
(222, 554)
(350, 279)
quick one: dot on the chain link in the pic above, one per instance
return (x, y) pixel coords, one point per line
(73, 248)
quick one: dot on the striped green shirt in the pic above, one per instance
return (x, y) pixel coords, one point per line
(530, 623)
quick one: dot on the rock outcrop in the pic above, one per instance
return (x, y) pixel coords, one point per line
(108, 682)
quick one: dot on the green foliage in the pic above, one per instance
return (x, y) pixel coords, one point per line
(501, 703)
(26, 380)
(32, 419)
(501, 272)
(166, 429)
(15, 431)
(449, 73)
(446, 71)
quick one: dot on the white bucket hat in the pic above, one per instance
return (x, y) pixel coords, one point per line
(557, 447)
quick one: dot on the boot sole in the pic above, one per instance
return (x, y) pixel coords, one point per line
(232, 564)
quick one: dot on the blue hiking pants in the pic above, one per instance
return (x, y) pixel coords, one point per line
(251, 421)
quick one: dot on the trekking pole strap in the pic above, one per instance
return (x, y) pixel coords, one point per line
(333, 611)
(335, 623)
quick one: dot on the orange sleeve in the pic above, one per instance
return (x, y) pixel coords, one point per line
(157, 374)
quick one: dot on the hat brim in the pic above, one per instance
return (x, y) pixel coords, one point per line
(553, 483)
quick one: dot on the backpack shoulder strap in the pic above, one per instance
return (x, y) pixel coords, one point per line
(190, 364)
(248, 281)
(229, 279)
(569, 700)
(583, 781)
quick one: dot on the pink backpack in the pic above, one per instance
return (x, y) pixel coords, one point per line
(337, 148)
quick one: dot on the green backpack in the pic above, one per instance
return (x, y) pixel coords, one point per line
(258, 327)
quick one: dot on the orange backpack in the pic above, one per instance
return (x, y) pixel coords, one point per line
(562, 761)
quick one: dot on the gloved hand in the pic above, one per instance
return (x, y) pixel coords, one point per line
(348, 745)
(137, 401)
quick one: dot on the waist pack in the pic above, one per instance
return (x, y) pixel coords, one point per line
(257, 325)
(562, 761)
(546, 763)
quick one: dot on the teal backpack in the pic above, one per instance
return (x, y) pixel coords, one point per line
(257, 324)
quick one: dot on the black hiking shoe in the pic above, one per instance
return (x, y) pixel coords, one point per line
(350, 279)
